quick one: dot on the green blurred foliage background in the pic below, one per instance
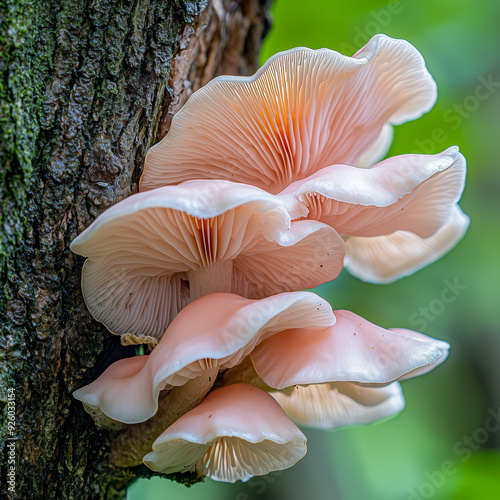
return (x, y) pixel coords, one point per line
(438, 446)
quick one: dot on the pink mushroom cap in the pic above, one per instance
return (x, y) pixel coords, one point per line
(237, 432)
(415, 193)
(148, 255)
(218, 330)
(351, 350)
(302, 111)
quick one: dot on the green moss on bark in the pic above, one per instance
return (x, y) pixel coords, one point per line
(18, 123)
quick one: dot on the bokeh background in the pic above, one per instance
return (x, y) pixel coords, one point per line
(439, 446)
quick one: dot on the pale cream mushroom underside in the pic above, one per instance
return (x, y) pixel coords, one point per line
(237, 432)
(302, 111)
(383, 259)
(337, 404)
(152, 253)
(215, 331)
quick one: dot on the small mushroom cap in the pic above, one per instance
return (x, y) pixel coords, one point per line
(141, 249)
(384, 259)
(219, 329)
(352, 349)
(237, 432)
(327, 406)
(414, 193)
(302, 111)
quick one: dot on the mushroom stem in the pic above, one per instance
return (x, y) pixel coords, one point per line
(130, 445)
(214, 278)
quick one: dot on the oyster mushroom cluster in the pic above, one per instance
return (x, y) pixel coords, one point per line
(264, 186)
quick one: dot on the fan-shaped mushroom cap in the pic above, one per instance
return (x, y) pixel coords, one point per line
(237, 432)
(302, 111)
(143, 251)
(415, 193)
(327, 406)
(217, 330)
(383, 259)
(352, 349)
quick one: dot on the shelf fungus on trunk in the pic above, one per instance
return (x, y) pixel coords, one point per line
(261, 187)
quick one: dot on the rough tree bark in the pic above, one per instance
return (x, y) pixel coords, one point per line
(86, 86)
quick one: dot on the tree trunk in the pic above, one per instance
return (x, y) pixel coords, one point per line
(86, 88)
